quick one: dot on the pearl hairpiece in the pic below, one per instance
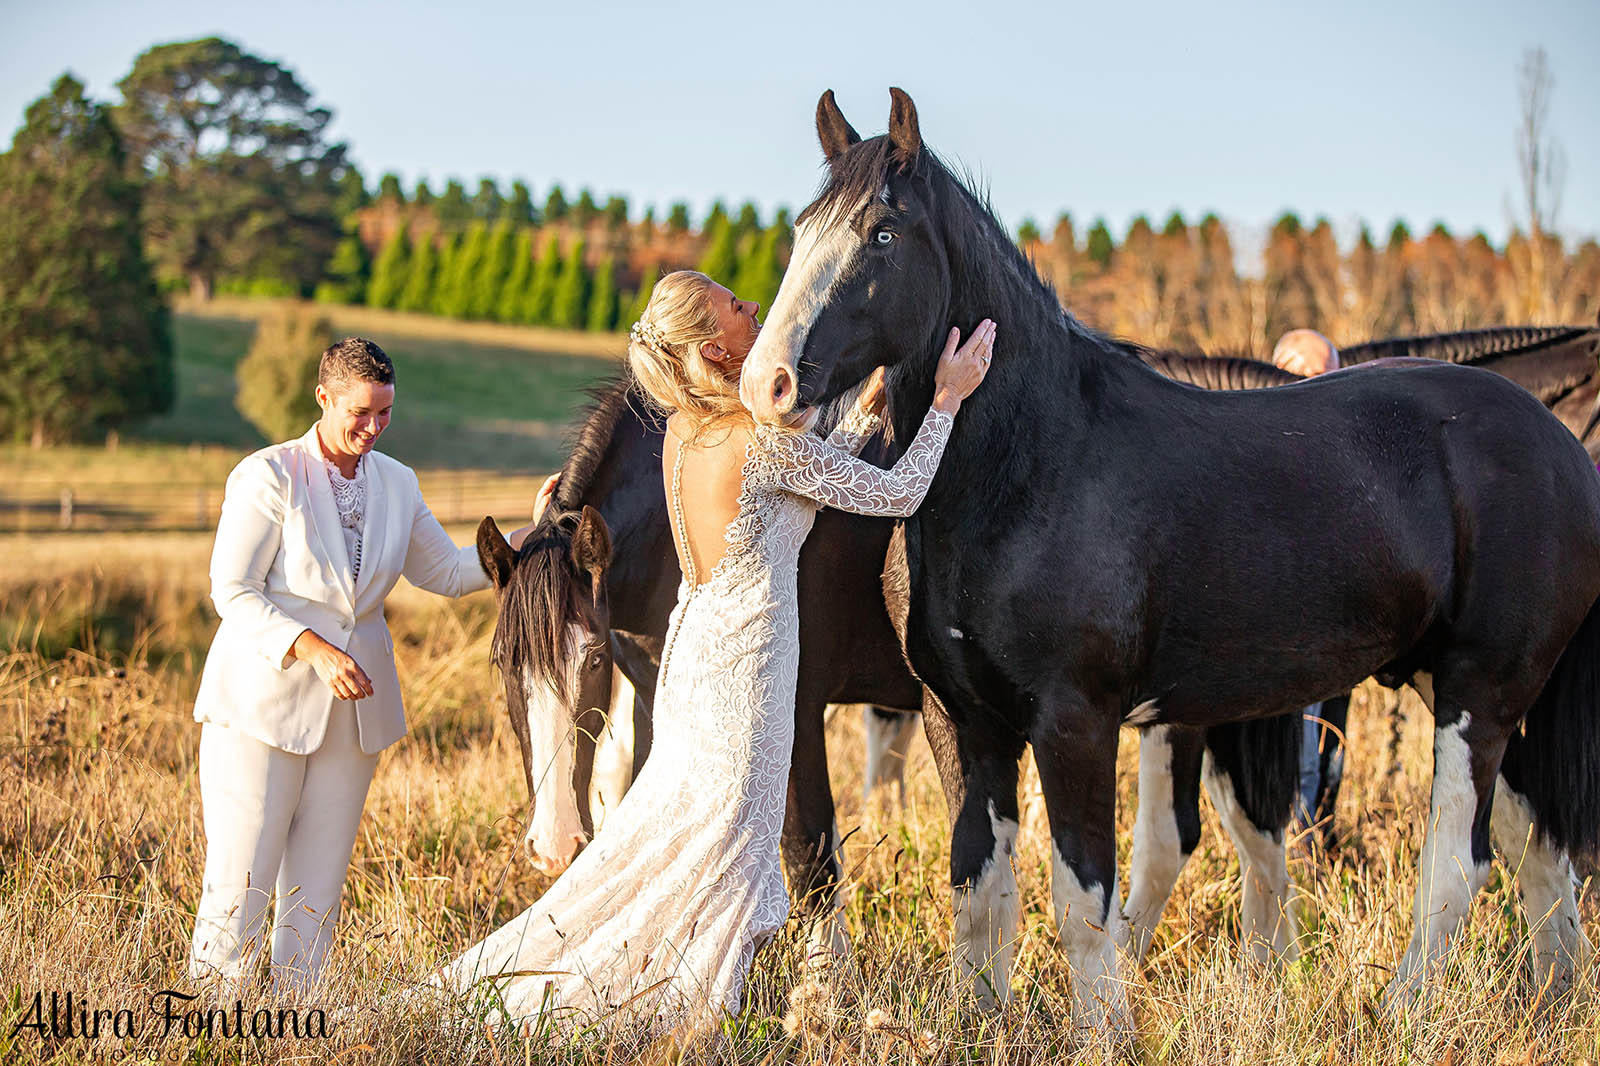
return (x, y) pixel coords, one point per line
(646, 333)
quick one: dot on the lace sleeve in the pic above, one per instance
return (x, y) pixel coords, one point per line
(854, 430)
(817, 470)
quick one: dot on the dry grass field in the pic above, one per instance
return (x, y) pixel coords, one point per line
(101, 852)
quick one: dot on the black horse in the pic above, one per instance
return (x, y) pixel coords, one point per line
(1103, 546)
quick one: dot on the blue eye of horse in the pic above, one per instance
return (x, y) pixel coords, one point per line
(884, 236)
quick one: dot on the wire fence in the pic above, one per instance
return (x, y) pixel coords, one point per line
(49, 504)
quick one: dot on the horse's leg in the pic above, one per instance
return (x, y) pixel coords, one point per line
(979, 774)
(888, 740)
(1455, 854)
(1167, 827)
(1075, 745)
(810, 835)
(1335, 722)
(1544, 880)
(1252, 775)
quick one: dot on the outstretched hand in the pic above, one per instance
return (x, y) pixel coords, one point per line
(962, 370)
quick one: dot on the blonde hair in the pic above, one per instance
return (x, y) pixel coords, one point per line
(664, 353)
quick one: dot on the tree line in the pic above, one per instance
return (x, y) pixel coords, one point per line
(215, 173)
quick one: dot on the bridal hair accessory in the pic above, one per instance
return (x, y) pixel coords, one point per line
(647, 333)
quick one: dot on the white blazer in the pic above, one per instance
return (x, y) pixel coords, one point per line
(280, 567)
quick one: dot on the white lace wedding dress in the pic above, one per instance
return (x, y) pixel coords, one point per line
(656, 922)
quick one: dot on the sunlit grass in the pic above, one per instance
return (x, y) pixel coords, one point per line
(102, 848)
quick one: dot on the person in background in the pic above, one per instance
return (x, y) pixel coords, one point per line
(299, 692)
(1308, 353)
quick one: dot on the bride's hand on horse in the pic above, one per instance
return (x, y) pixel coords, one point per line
(961, 370)
(547, 492)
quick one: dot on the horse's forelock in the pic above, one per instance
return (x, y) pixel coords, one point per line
(536, 608)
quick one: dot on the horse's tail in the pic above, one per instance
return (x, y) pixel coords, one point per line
(1556, 762)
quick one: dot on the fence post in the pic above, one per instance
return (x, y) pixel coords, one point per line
(66, 508)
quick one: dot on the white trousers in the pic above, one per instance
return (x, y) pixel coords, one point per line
(279, 826)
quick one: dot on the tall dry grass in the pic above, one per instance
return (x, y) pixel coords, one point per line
(102, 850)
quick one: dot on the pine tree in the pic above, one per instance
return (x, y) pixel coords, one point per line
(1098, 246)
(759, 271)
(749, 220)
(85, 341)
(348, 272)
(513, 291)
(720, 258)
(422, 196)
(447, 288)
(390, 271)
(616, 212)
(493, 270)
(542, 285)
(453, 209)
(519, 209)
(389, 188)
(1028, 232)
(487, 203)
(586, 210)
(555, 205)
(571, 297)
(603, 297)
(418, 292)
(647, 285)
(678, 218)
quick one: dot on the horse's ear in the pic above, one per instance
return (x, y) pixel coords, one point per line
(591, 543)
(494, 554)
(904, 134)
(832, 130)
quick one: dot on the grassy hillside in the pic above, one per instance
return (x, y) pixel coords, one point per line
(486, 409)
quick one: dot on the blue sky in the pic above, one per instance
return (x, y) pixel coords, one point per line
(1357, 110)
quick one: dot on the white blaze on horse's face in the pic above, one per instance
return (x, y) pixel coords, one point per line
(769, 385)
(555, 833)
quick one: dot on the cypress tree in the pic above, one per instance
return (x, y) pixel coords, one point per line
(647, 285)
(492, 270)
(603, 297)
(678, 218)
(422, 196)
(571, 297)
(347, 272)
(487, 203)
(85, 341)
(453, 208)
(555, 205)
(542, 285)
(720, 258)
(444, 288)
(513, 291)
(389, 188)
(759, 271)
(1098, 246)
(586, 210)
(389, 273)
(519, 209)
(418, 292)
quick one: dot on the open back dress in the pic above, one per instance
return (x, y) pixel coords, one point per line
(656, 922)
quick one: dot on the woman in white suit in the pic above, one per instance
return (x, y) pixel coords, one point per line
(299, 692)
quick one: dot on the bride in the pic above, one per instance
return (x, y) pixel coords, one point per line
(658, 919)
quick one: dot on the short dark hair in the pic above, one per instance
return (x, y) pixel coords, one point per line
(354, 359)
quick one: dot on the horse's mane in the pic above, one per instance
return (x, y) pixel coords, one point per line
(531, 628)
(587, 446)
(1466, 346)
(1214, 372)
